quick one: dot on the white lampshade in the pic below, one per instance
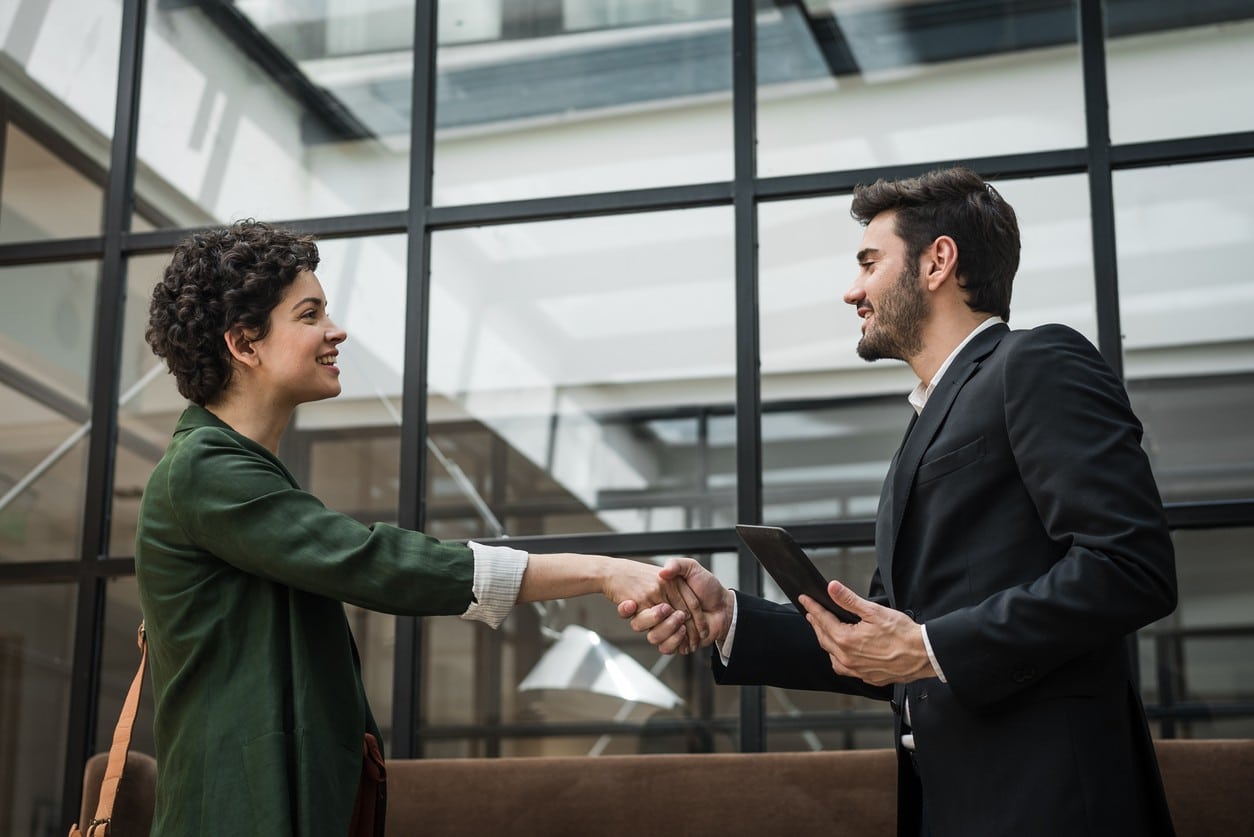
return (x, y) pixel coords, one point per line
(581, 660)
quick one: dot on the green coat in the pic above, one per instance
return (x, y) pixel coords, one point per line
(260, 708)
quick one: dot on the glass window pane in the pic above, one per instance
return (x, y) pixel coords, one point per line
(1187, 310)
(59, 77)
(586, 350)
(46, 329)
(1203, 654)
(533, 102)
(44, 196)
(832, 421)
(1179, 69)
(855, 85)
(36, 652)
(537, 670)
(148, 406)
(275, 110)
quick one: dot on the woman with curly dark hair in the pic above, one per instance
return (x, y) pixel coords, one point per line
(262, 724)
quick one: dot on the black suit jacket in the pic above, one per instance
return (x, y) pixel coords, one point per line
(1021, 523)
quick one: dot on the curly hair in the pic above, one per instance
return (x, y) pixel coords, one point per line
(958, 203)
(218, 279)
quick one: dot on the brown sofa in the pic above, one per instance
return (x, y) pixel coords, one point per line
(1210, 786)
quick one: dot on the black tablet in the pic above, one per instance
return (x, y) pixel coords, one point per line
(791, 568)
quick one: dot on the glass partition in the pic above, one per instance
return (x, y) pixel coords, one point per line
(571, 663)
(36, 655)
(58, 86)
(1188, 318)
(1195, 57)
(44, 196)
(1197, 662)
(542, 99)
(862, 84)
(266, 109)
(46, 327)
(570, 362)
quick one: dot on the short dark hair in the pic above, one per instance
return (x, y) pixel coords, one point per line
(217, 279)
(958, 203)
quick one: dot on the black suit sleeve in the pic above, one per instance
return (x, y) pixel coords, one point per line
(1076, 444)
(775, 646)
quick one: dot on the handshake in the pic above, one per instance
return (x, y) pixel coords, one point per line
(682, 607)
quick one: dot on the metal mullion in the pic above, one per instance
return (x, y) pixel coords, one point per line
(26, 572)
(52, 250)
(407, 676)
(107, 350)
(1001, 167)
(748, 355)
(1185, 150)
(1092, 34)
(688, 196)
(1210, 515)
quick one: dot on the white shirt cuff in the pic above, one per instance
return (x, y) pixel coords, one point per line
(498, 577)
(931, 655)
(725, 647)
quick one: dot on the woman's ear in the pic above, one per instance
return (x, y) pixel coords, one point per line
(240, 344)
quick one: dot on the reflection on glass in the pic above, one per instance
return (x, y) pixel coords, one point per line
(577, 356)
(547, 99)
(1179, 69)
(58, 80)
(1202, 653)
(148, 406)
(854, 85)
(1188, 317)
(570, 661)
(36, 652)
(275, 110)
(44, 196)
(831, 421)
(45, 353)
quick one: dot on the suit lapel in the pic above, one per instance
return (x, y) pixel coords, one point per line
(919, 436)
(884, 519)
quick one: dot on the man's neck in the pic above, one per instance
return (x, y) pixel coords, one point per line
(941, 336)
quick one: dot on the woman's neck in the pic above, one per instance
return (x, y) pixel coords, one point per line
(264, 423)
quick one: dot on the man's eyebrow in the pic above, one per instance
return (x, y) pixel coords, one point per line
(869, 251)
(316, 300)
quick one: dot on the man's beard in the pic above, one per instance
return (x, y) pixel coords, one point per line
(896, 330)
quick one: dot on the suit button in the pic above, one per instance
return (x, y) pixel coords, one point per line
(909, 613)
(1024, 674)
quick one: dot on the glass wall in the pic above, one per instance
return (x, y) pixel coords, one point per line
(590, 257)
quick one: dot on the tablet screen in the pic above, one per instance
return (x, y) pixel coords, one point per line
(791, 568)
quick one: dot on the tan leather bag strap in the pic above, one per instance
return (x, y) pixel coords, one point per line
(99, 824)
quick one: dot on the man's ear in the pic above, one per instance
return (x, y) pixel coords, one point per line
(940, 262)
(240, 344)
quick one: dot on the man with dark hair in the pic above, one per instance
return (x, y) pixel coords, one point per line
(1020, 538)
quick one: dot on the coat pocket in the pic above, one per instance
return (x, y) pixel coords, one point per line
(953, 460)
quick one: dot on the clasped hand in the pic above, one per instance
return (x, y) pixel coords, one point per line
(885, 647)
